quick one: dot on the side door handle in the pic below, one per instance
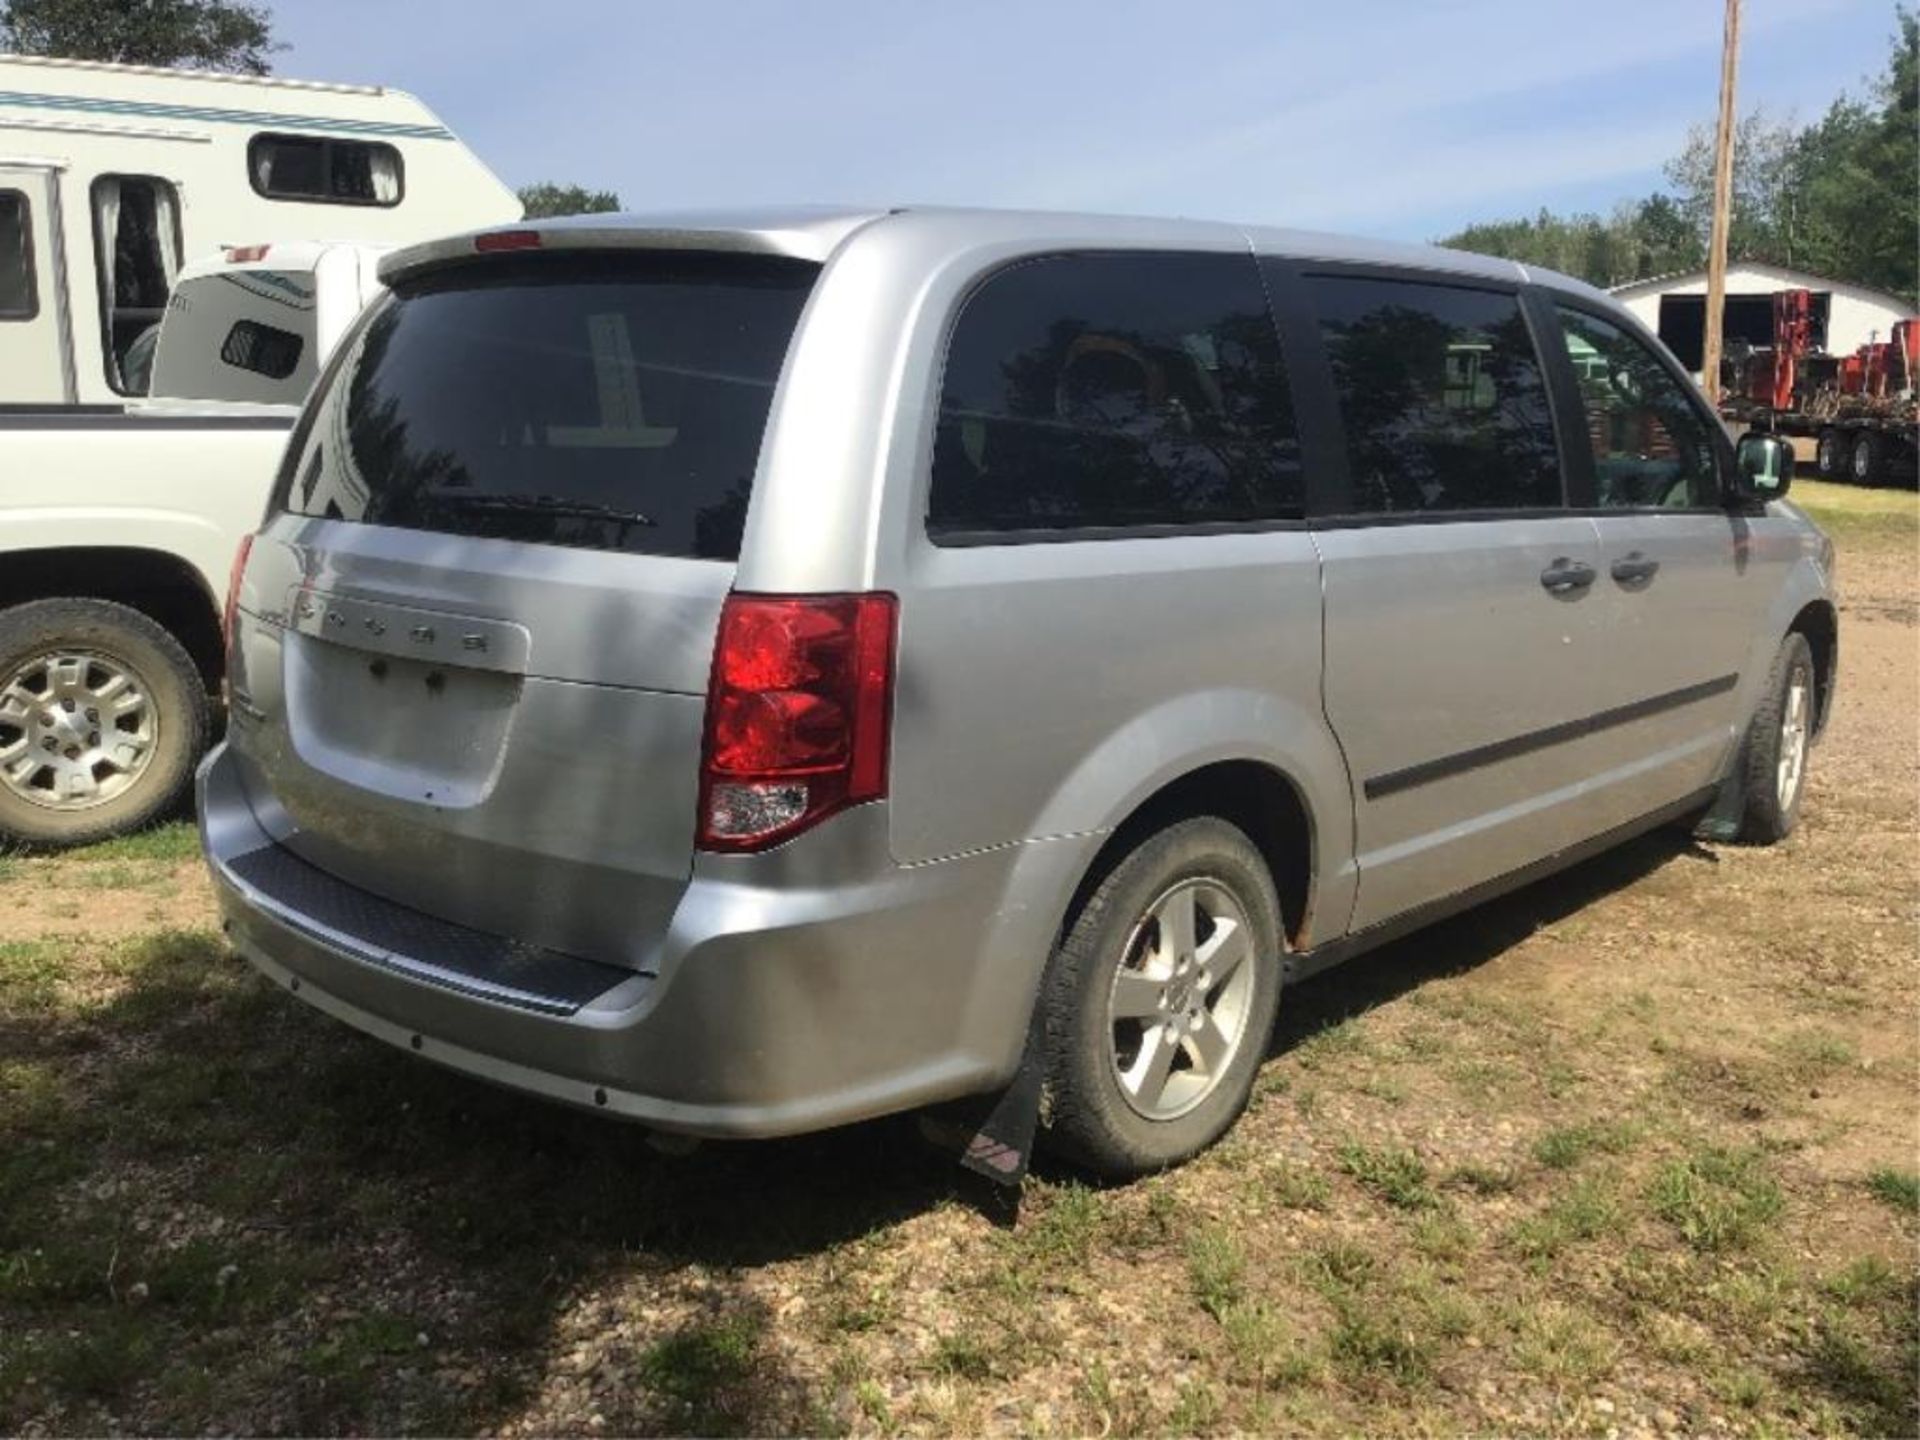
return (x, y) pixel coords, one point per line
(1633, 568)
(1567, 577)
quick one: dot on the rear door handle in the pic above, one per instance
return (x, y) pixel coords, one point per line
(1634, 568)
(1564, 576)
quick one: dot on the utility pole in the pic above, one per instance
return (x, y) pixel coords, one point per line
(1722, 207)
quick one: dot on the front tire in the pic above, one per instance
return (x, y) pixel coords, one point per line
(1158, 1005)
(1774, 759)
(102, 716)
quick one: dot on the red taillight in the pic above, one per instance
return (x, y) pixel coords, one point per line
(233, 586)
(506, 240)
(247, 254)
(797, 715)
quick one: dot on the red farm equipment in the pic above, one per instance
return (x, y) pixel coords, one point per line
(1860, 410)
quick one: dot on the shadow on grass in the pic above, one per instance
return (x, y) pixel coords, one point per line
(219, 1208)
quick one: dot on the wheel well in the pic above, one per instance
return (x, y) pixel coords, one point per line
(1246, 793)
(162, 587)
(1816, 621)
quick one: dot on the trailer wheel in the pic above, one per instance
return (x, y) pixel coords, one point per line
(1830, 455)
(1869, 458)
(102, 716)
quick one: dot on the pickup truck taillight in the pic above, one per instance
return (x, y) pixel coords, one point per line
(233, 586)
(798, 714)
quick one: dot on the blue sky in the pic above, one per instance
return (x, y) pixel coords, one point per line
(1383, 117)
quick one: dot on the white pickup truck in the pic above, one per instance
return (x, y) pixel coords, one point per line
(118, 527)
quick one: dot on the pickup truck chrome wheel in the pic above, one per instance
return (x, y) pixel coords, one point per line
(77, 728)
(1793, 741)
(1180, 999)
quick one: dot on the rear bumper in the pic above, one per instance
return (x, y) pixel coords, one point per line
(785, 1001)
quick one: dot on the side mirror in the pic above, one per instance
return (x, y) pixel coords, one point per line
(1762, 468)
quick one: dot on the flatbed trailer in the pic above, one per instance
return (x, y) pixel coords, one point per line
(1858, 414)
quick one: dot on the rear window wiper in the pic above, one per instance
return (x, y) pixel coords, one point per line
(546, 505)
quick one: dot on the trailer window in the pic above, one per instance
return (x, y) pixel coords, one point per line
(324, 171)
(136, 235)
(19, 299)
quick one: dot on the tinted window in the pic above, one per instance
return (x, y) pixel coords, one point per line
(136, 228)
(1085, 391)
(610, 403)
(1442, 395)
(16, 258)
(264, 349)
(1651, 443)
(330, 172)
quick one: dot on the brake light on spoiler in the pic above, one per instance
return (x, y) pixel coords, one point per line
(506, 240)
(799, 711)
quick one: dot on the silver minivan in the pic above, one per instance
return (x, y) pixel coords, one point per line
(751, 673)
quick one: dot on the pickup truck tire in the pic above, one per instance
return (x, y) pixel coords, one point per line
(1157, 1007)
(1774, 758)
(57, 656)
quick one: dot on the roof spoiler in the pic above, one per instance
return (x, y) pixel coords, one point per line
(805, 238)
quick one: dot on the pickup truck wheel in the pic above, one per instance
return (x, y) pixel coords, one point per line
(102, 716)
(1774, 759)
(1158, 1005)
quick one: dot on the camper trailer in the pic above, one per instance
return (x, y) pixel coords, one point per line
(112, 176)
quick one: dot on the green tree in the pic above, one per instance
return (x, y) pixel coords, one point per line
(1857, 173)
(1840, 197)
(546, 199)
(198, 34)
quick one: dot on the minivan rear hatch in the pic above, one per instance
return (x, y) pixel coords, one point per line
(476, 631)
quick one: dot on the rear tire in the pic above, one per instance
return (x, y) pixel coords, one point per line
(81, 679)
(1830, 455)
(1869, 462)
(1158, 1005)
(1774, 758)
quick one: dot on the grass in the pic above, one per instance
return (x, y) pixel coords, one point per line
(172, 842)
(1898, 1189)
(1216, 1266)
(1717, 1199)
(703, 1372)
(1567, 1145)
(1393, 1173)
(1851, 513)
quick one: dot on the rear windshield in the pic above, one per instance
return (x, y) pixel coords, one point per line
(607, 403)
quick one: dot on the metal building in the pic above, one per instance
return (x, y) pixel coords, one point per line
(1845, 316)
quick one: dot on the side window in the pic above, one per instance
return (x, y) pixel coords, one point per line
(19, 298)
(1115, 390)
(324, 171)
(1652, 446)
(264, 349)
(136, 231)
(1443, 398)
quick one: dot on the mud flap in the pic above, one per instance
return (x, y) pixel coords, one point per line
(1729, 812)
(992, 1134)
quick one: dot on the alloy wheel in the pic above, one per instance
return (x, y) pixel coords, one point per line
(77, 729)
(1178, 1006)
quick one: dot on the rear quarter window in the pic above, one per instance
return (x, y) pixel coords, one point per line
(1114, 391)
(606, 402)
